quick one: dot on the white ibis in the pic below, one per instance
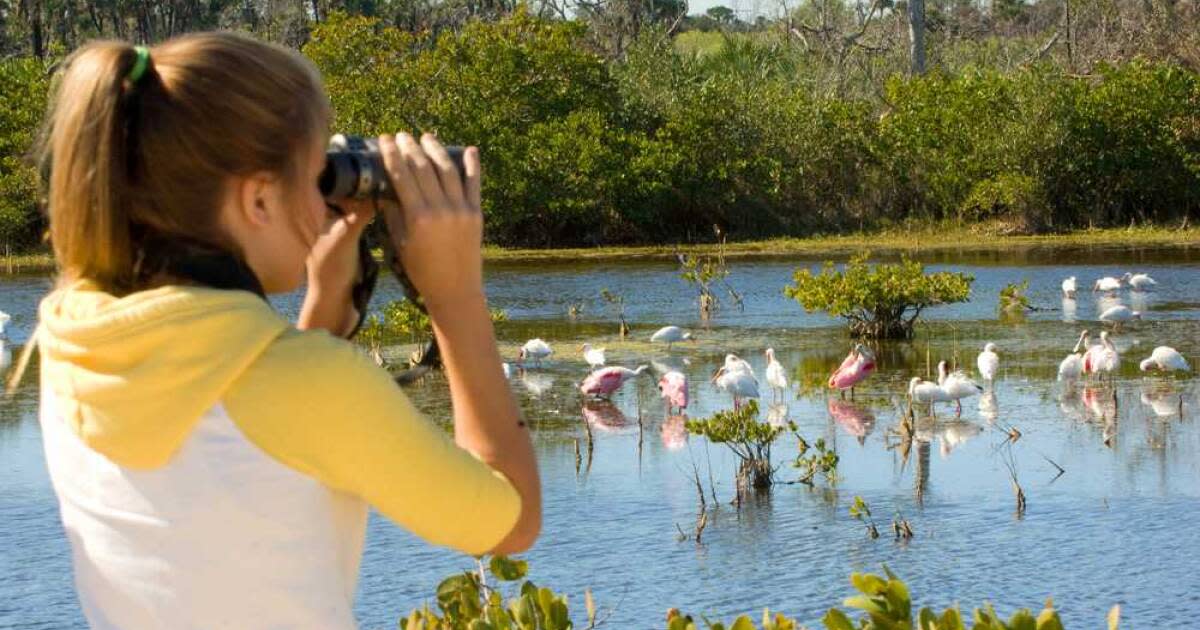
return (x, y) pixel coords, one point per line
(593, 356)
(1069, 287)
(776, 376)
(1165, 359)
(1118, 315)
(535, 350)
(1107, 284)
(1072, 367)
(4, 319)
(988, 363)
(1139, 281)
(926, 392)
(957, 385)
(671, 335)
(736, 379)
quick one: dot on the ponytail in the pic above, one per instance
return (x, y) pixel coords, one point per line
(88, 158)
(139, 146)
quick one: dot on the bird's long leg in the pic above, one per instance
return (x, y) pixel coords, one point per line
(842, 394)
(958, 414)
(851, 393)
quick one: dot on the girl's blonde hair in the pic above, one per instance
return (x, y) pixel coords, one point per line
(129, 161)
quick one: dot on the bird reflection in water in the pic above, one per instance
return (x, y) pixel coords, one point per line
(777, 415)
(1163, 399)
(1101, 407)
(951, 435)
(674, 432)
(604, 416)
(856, 420)
(989, 407)
(537, 383)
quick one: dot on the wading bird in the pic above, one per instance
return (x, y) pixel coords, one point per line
(603, 383)
(1165, 359)
(957, 385)
(1102, 358)
(855, 368)
(1139, 281)
(988, 363)
(776, 377)
(673, 387)
(1069, 287)
(535, 350)
(1072, 367)
(670, 335)
(1118, 315)
(926, 392)
(1107, 284)
(593, 356)
(736, 379)
(4, 319)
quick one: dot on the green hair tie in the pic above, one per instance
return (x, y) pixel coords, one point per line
(140, 64)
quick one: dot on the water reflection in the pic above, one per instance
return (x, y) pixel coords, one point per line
(856, 420)
(674, 432)
(537, 383)
(1069, 309)
(777, 414)
(953, 434)
(989, 407)
(1163, 399)
(604, 416)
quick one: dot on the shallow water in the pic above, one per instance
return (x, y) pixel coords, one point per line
(1113, 529)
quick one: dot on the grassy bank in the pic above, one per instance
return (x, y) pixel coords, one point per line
(924, 239)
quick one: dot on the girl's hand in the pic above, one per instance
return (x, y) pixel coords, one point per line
(333, 269)
(438, 228)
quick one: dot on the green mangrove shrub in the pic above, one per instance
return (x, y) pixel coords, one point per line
(749, 439)
(402, 321)
(881, 301)
(466, 601)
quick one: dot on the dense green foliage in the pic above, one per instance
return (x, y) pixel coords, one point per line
(748, 438)
(466, 602)
(879, 301)
(757, 133)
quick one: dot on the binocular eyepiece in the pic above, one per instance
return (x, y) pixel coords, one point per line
(354, 169)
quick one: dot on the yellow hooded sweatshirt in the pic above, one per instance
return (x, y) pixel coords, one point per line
(213, 464)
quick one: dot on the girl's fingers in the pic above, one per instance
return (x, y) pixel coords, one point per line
(404, 182)
(474, 173)
(447, 172)
(423, 172)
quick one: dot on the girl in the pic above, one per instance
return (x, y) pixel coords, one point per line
(214, 464)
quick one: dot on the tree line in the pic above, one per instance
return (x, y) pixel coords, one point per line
(622, 121)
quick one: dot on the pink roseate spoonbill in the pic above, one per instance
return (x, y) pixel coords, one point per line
(735, 379)
(957, 385)
(535, 350)
(1071, 367)
(988, 363)
(776, 376)
(855, 420)
(1139, 281)
(1165, 359)
(604, 382)
(1107, 284)
(671, 335)
(673, 387)
(674, 432)
(604, 415)
(1069, 287)
(1118, 315)
(926, 393)
(855, 368)
(593, 356)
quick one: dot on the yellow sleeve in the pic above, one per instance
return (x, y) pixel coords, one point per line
(319, 406)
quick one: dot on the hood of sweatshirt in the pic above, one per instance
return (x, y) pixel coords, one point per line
(132, 375)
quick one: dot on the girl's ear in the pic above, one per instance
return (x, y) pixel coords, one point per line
(255, 196)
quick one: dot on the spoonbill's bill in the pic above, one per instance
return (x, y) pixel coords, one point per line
(671, 335)
(604, 382)
(593, 356)
(1165, 359)
(988, 363)
(535, 350)
(776, 377)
